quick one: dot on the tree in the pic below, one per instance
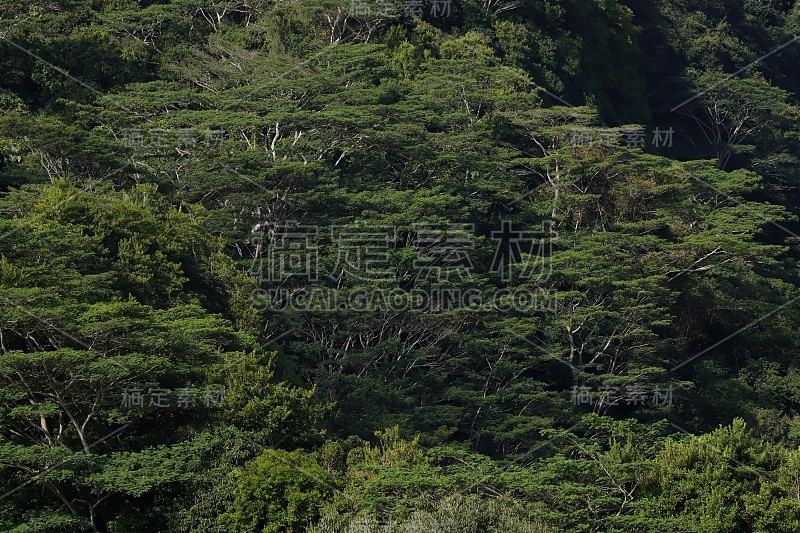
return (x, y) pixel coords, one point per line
(277, 491)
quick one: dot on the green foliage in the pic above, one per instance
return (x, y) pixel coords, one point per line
(721, 482)
(277, 491)
(149, 150)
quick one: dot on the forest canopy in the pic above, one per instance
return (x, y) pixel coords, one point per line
(389, 265)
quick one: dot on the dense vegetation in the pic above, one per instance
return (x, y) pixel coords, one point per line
(333, 265)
